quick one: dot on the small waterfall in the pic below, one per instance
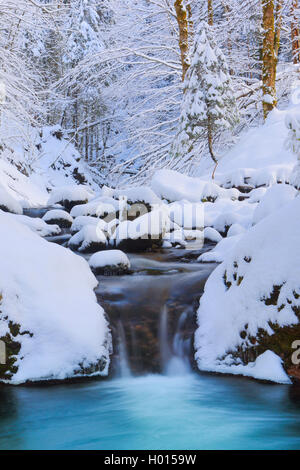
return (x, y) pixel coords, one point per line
(165, 353)
(179, 363)
(123, 364)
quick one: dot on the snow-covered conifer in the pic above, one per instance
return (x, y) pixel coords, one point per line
(208, 105)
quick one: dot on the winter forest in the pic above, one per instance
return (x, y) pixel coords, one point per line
(149, 224)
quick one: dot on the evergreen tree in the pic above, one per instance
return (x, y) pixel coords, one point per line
(208, 104)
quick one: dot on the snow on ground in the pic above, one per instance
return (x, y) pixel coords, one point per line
(38, 226)
(274, 198)
(263, 263)
(48, 291)
(260, 157)
(174, 186)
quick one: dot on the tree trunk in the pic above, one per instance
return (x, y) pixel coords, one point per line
(210, 12)
(268, 58)
(209, 139)
(278, 18)
(182, 20)
(295, 33)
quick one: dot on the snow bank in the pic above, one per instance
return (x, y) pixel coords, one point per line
(274, 198)
(48, 314)
(260, 157)
(38, 226)
(174, 186)
(251, 298)
(8, 203)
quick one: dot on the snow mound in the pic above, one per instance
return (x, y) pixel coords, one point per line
(212, 235)
(275, 197)
(114, 261)
(88, 240)
(59, 217)
(38, 226)
(174, 186)
(99, 207)
(69, 196)
(8, 203)
(138, 194)
(260, 157)
(50, 320)
(83, 220)
(142, 232)
(251, 301)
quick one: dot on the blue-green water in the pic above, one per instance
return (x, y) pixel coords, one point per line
(152, 412)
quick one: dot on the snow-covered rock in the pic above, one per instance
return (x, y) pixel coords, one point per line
(274, 198)
(110, 262)
(88, 240)
(70, 196)
(139, 194)
(142, 233)
(212, 235)
(174, 186)
(58, 217)
(8, 203)
(83, 220)
(50, 321)
(100, 207)
(251, 302)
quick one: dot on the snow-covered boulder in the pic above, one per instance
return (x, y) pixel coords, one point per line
(8, 203)
(139, 194)
(83, 220)
(50, 321)
(88, 240)
(70, 196)
(143, 233)
(58, 217)
(251, 302)
(274, 198)
(110, 262)
(212, 235)
(174, 186)
(100, 207)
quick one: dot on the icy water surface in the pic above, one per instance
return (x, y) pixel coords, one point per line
(152, 412)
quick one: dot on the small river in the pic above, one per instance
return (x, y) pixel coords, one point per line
(155, 398)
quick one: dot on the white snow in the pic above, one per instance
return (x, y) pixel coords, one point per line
(275, 197)
(7, 202)
(48, 290)
(83, 220)
(57, 214)
(88, 235)
(265, 256)
(212, 234)
(97, 207)
(38, 226)
(109, 258)
(174, 186)
(70, 193)
(138, 194)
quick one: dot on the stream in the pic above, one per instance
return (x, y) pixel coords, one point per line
(154, 398)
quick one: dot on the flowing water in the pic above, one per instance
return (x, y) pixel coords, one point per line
(154, 398)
